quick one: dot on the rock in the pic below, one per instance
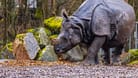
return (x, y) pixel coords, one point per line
(41, 34)
(6, 51)
(75, 54)
(48, 54)
(25, 46)
(6, 54)
(31, 45)
(44, 40)
(19, 50)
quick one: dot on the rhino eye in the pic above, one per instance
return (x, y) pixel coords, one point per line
(64, 39)
(75, 28)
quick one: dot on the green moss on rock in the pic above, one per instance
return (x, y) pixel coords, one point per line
(36, 32)
(9, 46)
(132, 56)
(48, 32)
(47, 54)
(54, 24)
(7, 51)
(20, 36)
(134, 62)
(53, 36)
(40, 53)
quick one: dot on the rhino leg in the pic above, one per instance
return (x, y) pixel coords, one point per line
(92, 56)
(116, 55)
(106, 57)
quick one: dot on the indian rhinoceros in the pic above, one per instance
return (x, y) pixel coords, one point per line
(97, 24)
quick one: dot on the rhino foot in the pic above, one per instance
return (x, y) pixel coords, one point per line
(104, 60)
(106, 63)
(116, 60)
(89, 62)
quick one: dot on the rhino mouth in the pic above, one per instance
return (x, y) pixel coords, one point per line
(59, 50)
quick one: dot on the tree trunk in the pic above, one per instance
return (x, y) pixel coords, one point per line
(5, 20)
(53, 7)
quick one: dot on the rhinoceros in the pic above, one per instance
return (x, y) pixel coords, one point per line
(97, 24)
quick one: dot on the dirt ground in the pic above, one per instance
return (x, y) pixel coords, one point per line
(38, 69)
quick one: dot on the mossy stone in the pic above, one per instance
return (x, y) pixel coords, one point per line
(53, 24)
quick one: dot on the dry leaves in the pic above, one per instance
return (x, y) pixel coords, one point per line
(34, 63)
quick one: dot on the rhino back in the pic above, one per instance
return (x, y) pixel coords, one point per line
(125, 18)
(86, 8)
(120, 7)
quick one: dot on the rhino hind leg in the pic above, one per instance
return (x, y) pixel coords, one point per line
(106, 56)
(116, 55)
(92, 56)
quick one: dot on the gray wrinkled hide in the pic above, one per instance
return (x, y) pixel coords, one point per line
(103, 13)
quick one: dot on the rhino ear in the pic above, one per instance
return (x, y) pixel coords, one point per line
(64, 14)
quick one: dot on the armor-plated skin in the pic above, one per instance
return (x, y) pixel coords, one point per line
(97, 24)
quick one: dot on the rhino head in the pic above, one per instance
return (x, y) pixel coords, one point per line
(69, 36)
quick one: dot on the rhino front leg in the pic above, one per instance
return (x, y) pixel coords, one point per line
(92, 57)
(106, 57)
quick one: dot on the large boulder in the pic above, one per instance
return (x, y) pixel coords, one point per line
(25, 46)
(42, 36)
(44, 39)
(75, 54)
(47, 54)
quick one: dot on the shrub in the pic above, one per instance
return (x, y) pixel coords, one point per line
(53, 24)
(132, 57)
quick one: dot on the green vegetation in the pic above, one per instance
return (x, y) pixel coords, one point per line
(133, 57)
(53, 36)
(36, 32)
(40, 54)
(134, 62)
(20, 37)
(53, 24)
(6, 51)
(38, 13)
(9, 47)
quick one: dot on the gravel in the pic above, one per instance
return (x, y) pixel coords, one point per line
(68, 71)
